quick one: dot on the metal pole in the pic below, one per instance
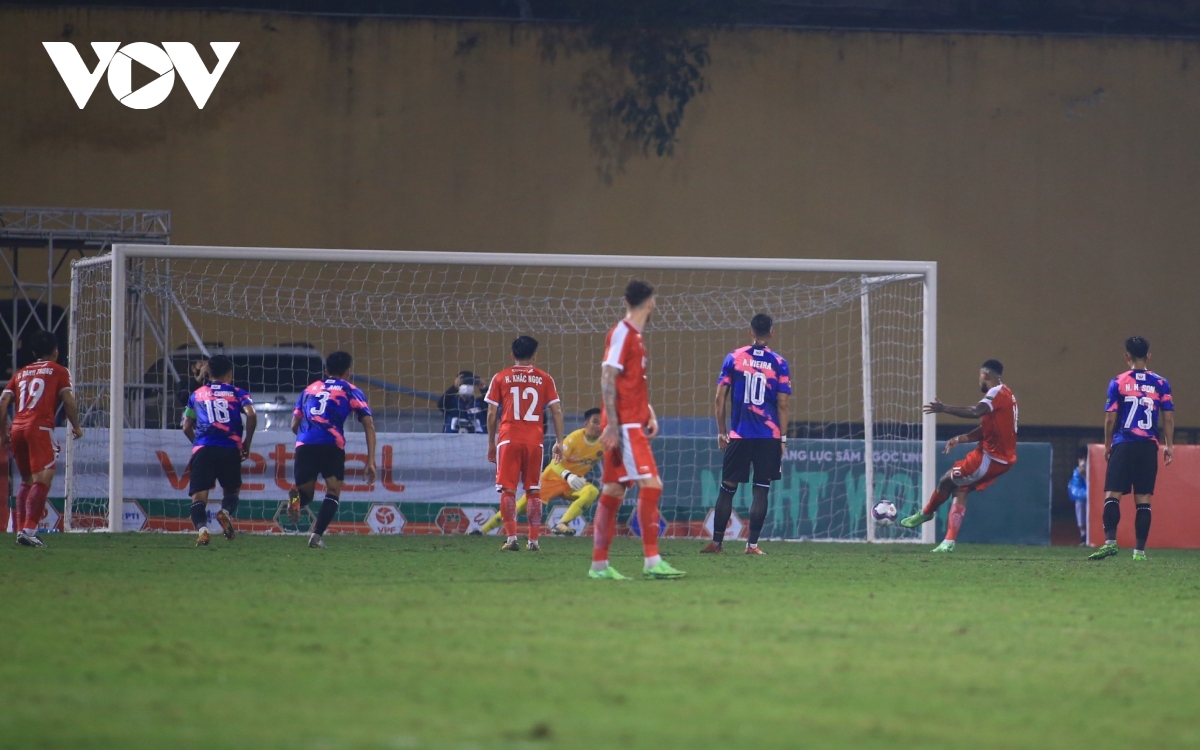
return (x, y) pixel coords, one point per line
(929, 388)
(116, 395)
(868, 409)
(72, 350)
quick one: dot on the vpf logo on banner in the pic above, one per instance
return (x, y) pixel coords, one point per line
(118, 62)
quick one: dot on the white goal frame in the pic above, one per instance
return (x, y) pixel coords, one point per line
(926, 271)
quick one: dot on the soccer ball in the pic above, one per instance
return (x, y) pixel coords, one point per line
(884, 513)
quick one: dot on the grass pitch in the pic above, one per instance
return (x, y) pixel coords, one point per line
(142, 641)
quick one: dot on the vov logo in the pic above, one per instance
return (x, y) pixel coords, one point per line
(118, 61)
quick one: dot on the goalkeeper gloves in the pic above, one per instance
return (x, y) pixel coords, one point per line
(577, 482)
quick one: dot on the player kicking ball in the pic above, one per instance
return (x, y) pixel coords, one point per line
(212, 422)
(759, 381)
(37, 390)
(319, 422)
(516, 399)
(567, 478)
(628, 425)
(1131, 444)
(995, 453)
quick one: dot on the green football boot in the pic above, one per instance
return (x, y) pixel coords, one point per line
(1139, 555)
(915, 520)
(1108, 550)
(945, 546)
(610, 573)
(662, 571)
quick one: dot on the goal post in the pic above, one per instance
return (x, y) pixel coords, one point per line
(860, 336)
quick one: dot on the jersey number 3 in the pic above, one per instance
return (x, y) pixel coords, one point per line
(531, 414)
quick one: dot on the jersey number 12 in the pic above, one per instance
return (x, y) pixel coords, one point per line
(531, 414)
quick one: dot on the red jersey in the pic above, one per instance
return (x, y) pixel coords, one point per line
(625, 350)
(1000, 425)
(521, 392)
(35, 390)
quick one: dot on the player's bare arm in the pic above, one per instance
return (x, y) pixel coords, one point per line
(722, 422)
(1168, 437)
(295, 424)
(1110, 423)
(251, 424)
(492, 418)
(781, 406)
(189, 428)
(965, 412)
(71, 409)
(368, 424)
(608, 395)
(973, 436)
(556, 414)
(5, 402)
(652, 424)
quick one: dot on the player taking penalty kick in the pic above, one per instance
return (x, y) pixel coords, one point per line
(995, 453)
(516, 399)
(1131, 444)
(629, 425)
(36, 391)
(213, 422)
(567, 478)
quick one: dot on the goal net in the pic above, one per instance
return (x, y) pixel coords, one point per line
(857, 334)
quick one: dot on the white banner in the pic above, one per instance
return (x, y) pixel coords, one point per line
(413, 468)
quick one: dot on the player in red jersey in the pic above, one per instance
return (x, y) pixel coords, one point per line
(628, 425)
(516, 399)
(37, 389)
(995, 454)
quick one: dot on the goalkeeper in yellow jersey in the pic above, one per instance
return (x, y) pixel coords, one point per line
(566, 478)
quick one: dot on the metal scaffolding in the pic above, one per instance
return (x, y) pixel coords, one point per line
(33, 235)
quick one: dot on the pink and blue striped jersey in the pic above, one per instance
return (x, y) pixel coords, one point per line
(217, 409)
(323, 409)
(1137, 397)
(756, 376)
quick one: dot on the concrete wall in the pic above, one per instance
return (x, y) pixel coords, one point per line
(1055, 180)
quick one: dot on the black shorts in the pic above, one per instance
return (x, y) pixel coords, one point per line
(1132, 465)
(319, 460)
(213, 464)
(764, 454)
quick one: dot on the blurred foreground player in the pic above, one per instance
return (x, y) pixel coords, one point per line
(1131, 433)
(567, 478)
(994, 455)
(516, 399)
(319, 424)
(760, 384)
(213, 422)
(36, 389)
(628, 426)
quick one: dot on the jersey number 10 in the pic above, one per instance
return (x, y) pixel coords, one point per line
(756, 388)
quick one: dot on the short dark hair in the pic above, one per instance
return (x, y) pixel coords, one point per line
(524, 347)
(219, 366)
(993, 365)
(466, 374)
(1137, 347)
(338, 363)
(637, 292)
(590, 413)
(761, 324)
(1082, 453)
(43, 344)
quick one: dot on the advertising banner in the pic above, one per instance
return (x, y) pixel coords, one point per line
(1176, 522)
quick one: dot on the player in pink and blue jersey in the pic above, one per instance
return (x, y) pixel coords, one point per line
(757, 382)
(1131, 433)
(319, 424)
(213, 422)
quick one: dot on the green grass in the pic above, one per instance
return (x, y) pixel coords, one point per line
(141, 641)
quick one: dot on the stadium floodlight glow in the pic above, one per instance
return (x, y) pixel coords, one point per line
(860, 336)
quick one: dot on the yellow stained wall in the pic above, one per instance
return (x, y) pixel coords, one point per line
(1055, 180)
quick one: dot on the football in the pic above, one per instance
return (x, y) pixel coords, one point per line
(884, 513)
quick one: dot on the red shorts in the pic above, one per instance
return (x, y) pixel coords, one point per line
(977, 470)
(34, 450)
(632, 460)
(518, 463)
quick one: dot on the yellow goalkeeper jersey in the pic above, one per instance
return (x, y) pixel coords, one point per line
(579, 456)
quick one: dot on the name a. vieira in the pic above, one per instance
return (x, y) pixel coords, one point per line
(536, 379)
(759, 364)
